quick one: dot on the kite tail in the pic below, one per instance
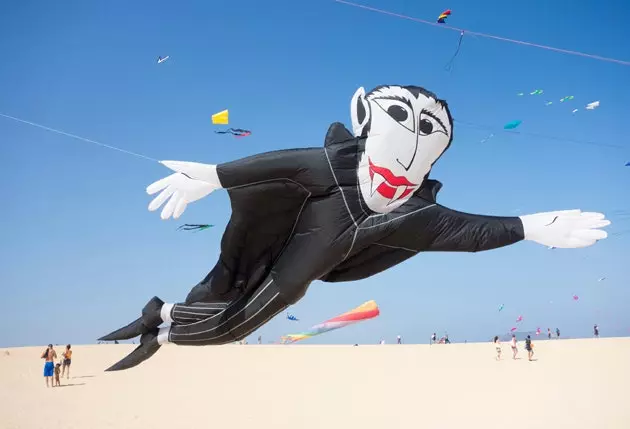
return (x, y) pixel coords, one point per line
(450, 64)
(194, 227)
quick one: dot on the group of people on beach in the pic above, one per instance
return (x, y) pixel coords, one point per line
(55, 371)
(529, 346)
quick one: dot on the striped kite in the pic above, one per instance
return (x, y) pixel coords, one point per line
(365, 311)
(442, 18)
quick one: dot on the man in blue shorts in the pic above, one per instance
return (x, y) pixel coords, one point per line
(49, 367)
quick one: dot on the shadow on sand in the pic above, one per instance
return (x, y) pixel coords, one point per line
(71, 385)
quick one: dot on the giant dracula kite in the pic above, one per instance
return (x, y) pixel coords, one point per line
(358, 206)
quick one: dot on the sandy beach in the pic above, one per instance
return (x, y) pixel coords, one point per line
(576, 384)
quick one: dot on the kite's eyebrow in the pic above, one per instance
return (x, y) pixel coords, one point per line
(395, 97)
(426, 112)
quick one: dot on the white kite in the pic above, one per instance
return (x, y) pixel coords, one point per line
(592, 106)
(161, 60)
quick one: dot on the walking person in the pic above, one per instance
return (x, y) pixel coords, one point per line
(529, 348)
(49, 365)
(596, 331)
(67, 360)
(513, 344)
(497, 346)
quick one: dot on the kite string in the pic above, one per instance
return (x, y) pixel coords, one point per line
(78, 137)
(542, 136)
(489, 36)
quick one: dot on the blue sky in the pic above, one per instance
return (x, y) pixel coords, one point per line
(81, 254)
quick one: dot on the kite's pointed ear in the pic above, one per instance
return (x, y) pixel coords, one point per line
(360, 112)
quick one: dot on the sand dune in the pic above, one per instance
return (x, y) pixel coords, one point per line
(574, 384)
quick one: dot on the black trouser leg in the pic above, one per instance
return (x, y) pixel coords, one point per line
(239, 319)
(182, 314)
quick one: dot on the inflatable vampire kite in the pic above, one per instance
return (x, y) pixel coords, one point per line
(358, 206)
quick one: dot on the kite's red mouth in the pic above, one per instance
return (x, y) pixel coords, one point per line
(388, 184)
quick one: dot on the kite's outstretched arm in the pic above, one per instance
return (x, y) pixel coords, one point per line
(438, 228)
(193, 181)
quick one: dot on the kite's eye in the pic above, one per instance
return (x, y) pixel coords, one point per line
(429, 124)
(426, 127)
(398, 111)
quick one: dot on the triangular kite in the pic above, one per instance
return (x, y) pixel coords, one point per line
(220, 118)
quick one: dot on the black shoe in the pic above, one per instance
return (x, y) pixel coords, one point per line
(147, 348)
(149, 320)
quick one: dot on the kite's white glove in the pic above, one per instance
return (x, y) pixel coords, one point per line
(192, 182)
(565, 229)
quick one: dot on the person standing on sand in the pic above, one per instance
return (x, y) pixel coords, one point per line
(548, 333)
(49, 366)
(398, 340)
(557, 333)
(57, 382)
(497, 345)
(67, 360)
(513, 344)
(433, 338)
(596, 331)
(529, 348)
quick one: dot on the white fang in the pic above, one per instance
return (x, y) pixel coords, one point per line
(377, 180)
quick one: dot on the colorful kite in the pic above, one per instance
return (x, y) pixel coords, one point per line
(548, 103)
(194, 227)
(511, 125)
(442, 18)
(292, 317)
(592, 106)
(536, 92)
(519, 319)
(567, 98)
(357, 206)
(160, 60)
(365, 311)
(501, 307)
(627, 164)
(236, 132)
(575, 297)
(513, 329)
(220, 118)
(520, 94)
(574, 110)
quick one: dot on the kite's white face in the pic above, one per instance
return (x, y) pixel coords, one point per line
(406, 131)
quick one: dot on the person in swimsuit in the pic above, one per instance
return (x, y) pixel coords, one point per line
(49, 366)
(497, 345)
(67, 360)
(513, 344)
